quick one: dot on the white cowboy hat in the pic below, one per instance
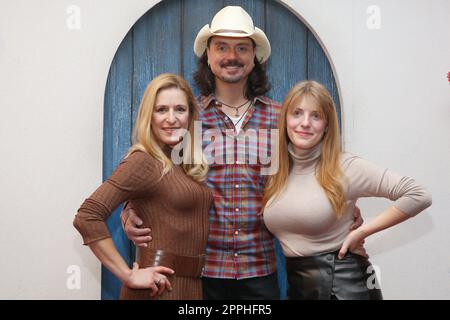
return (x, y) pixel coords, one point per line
(233, 21)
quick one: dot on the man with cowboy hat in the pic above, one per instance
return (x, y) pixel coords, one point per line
(240, 257)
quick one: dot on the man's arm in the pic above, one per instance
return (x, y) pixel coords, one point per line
(130, 224)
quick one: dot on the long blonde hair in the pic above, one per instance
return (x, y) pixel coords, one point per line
(328, 170)
(194, 163)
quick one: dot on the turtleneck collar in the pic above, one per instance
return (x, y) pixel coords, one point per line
(306, 163)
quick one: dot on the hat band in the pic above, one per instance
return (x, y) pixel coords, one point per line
(230, 31)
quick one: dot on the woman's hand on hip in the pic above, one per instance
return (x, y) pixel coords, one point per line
(152, 278)
(354, 240)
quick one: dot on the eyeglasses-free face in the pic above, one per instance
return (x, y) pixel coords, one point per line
(231, 59)
(170, 116)
(305, 124)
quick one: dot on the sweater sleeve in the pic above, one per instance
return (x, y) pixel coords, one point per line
(134, 177)
(365, 179)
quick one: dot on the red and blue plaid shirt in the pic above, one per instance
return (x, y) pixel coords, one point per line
(239, 244)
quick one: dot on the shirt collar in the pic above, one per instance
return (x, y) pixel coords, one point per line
(207, 101)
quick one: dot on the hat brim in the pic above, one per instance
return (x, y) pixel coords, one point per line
(262, 49)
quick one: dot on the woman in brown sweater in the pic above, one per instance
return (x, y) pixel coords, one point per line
(170, 198)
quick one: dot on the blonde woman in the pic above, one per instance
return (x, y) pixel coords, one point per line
(170, 198)
(308, 203)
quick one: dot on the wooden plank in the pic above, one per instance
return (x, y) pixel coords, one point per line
(255, 8)
(116, 141)
(195, 13)
(337, 102)
(156, 46)
(288, 38)
(319, 69)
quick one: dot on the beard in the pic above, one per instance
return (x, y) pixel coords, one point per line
(231, 79)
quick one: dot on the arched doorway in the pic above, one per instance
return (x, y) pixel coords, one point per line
(162, 41)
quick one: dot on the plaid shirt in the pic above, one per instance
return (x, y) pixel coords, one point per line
(239, 245)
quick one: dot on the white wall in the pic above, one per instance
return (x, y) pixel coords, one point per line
(396, 104)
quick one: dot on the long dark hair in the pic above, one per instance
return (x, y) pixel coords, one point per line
(257, 84)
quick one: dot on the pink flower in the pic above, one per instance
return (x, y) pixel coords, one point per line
(448, 76)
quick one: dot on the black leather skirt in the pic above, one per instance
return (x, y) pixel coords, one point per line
(325, 277)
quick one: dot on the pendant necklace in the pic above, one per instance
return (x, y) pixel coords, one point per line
(232, 107)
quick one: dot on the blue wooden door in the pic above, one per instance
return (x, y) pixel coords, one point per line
(162, 41)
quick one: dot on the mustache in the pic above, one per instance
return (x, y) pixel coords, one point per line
(231, 63)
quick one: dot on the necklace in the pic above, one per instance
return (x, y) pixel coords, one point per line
(232, 107)
(241, 117)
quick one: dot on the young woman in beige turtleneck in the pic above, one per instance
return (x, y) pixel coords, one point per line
(310, 200)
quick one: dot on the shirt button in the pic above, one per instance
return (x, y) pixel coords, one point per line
(236, 232)
(328, 271)
(237, 209)
(329, 257)
(237, 186)
(236, 254)
(237, 162)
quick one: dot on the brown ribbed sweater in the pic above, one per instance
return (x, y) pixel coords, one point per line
(174, 207)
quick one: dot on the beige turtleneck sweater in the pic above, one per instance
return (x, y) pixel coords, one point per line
(302, 218)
